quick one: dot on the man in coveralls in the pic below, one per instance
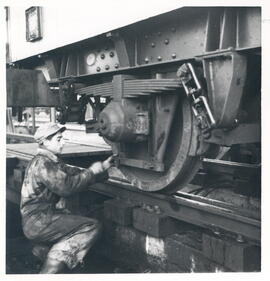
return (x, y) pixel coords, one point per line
(47, 179)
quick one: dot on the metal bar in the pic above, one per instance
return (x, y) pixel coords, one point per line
(20, 155)
(150, 88)
(21, 137)
(33, 121)
(154, 81)
(188, 210)
(154, 166)
(53, 114)
(225, 163)
(10, 126)
(245, 212)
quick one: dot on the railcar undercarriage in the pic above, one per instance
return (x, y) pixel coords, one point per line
(166, 93)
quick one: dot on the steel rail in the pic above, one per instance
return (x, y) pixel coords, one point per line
(201, 213)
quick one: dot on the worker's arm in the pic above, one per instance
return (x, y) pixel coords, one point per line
(72, 170)
(58, 180)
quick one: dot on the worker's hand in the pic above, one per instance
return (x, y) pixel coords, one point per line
(97, 168)
(107, 163)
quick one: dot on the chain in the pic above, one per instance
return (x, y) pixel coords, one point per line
(198, 101)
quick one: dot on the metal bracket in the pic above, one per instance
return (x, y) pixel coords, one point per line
(225, 73)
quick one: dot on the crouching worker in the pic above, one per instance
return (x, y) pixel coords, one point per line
(47, 179)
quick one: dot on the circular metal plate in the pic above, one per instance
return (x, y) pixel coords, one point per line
(91, 59)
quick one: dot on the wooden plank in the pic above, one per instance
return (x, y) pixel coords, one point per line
(70, 149)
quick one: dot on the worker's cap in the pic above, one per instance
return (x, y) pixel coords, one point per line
(47, 130)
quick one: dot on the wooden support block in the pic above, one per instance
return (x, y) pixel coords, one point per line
(118, 211)
(157, 225)
(232, 254)
(188, 258)
(174, 268)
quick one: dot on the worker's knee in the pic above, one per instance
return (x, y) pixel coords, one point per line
(95, 225)
(94, 228)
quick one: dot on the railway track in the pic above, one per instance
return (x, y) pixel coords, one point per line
(220, 217)
(215, 215)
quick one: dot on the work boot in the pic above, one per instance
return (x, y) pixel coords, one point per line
(52, 266)
(40, 251)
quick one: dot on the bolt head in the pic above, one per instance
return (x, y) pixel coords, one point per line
(102, 56)
(159, 58)
(150, 209)
(98, 69)
(116, 65)
(146, 60)
(107, 67)
(173, 55)
(153, 45)
(240, 238)
(167, 41)
(157, 209)
(111, 54)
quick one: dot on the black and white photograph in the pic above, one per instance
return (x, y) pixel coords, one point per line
(133, 138)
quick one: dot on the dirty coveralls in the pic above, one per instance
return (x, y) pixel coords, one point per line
(47, 179)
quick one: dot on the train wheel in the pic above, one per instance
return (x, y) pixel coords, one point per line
(180, 166)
